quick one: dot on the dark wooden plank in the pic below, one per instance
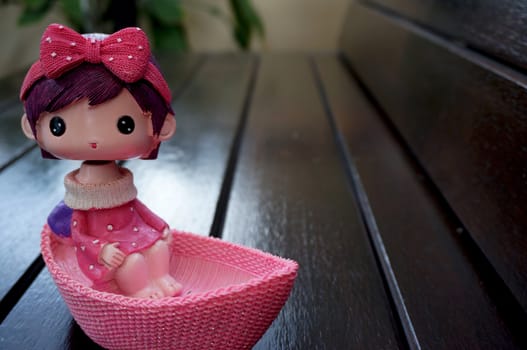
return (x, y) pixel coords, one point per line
(9, 89)
(30, 188)
(13, 143)
(495, 27)
(448, 304)
(465, 119)
(290, 197)
(182, 185)
(31, 329)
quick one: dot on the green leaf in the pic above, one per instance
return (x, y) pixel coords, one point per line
(28, 17)
(34, 11)
(172, 38)
(253, 17)
(168, 12)
(34, 4)
(246, 22)
(72, 10)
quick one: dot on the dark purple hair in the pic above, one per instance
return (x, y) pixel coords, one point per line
(95, 82)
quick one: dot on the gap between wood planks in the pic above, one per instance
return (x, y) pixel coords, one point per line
(19, 288)
(468, 52)
(374, 236)
(507, 305)
(222, 205)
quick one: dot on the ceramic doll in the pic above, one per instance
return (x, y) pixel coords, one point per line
(100, 99)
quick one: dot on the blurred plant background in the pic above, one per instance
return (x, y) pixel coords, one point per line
(162, 19)
(206, 26)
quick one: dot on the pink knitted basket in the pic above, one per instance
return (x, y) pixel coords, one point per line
(231, 294)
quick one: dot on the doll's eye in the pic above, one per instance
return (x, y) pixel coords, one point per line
(126, 124)
(57, 126)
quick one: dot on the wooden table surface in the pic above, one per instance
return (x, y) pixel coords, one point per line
(285, 153)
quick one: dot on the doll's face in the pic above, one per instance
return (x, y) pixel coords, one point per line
(114, 130)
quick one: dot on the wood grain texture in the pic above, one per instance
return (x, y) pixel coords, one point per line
(466, 124)
(40, 324)
(445, 298)
(182, 185)
(291, 197)
(496, 28)
(13, 143)
(30, 188)
(10, 88)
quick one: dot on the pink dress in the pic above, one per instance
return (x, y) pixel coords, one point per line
(108, 213)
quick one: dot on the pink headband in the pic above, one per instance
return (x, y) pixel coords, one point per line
(125, 53)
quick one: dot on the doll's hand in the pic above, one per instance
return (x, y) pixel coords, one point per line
(111, 256)
(167, 235)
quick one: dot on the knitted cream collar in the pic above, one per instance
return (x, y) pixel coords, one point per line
(99, 196)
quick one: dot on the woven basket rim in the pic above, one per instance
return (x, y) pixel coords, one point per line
(289, 267)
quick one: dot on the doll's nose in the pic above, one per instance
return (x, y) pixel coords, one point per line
(93, 145)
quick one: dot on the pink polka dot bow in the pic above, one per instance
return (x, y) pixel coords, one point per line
(125, 53)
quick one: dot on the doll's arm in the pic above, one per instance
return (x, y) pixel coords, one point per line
(149, 217)
(88, 245)
(111, 256)
(59, 221)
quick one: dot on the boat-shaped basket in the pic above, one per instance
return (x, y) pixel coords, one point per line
(231, 294)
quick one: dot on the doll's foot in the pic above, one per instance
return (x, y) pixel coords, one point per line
(169, 286)
(148, 293)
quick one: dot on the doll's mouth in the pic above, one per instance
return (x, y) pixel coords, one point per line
(93, 145)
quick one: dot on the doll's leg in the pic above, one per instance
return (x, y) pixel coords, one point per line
(158, 259)
(132, 277)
